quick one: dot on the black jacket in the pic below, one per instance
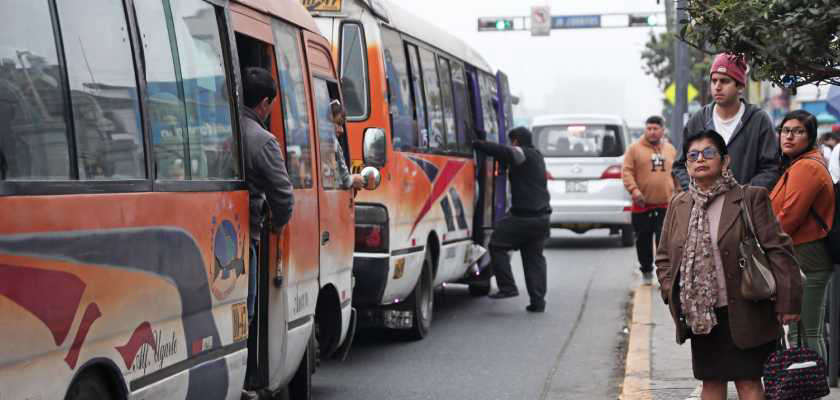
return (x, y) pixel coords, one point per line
(753, 147)
(265, 175)
(528, 183)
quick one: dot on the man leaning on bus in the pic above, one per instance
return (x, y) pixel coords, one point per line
(526, 226)
(265, 171)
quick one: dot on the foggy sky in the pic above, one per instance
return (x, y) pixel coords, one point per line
(571, 71)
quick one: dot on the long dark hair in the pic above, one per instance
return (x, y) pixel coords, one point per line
(809, 121)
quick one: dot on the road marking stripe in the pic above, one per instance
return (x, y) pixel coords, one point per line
(637, 368)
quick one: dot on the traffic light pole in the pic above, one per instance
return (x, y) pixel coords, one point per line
(681, 79)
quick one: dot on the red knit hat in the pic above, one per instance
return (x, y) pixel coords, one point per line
(732, 65)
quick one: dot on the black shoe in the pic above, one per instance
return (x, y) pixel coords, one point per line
(503, 294)
(535, 308)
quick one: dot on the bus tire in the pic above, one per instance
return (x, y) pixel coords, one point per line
(89, 386)
(300, 388)
(422, 302)
(479, 289)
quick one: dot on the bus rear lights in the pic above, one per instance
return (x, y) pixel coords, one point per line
(612, 172)
(370, 238)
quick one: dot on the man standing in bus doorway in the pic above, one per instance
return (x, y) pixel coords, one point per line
(265, 171)
(647, 177)
(747, 129)
(526, 226)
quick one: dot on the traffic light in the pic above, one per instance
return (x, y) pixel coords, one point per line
(495, 24)
(643, 20)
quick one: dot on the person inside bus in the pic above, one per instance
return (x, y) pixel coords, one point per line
(265, 171)
(345, 179)
(526, 226)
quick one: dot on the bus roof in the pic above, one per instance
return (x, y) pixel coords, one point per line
(290, 10)
(421, 29)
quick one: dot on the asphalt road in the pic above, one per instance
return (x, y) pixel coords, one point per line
(493, 349)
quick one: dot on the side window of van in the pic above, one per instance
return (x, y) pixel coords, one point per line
(33, 134)
(446, 102)
(189, 100)
(293, 97)
(404, 130)
(463, 114)
(488, 93)
(103, 90)
(354, 84)
(417, 95)
(333, 159)
(434, 105)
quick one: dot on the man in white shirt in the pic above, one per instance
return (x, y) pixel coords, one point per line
(834, 164)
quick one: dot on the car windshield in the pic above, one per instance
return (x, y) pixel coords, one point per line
(579, 140)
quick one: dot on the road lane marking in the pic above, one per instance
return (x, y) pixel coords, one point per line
(637, 368)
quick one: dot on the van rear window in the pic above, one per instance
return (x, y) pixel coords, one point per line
(579, 140)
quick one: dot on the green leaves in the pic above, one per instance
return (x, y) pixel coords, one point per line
(780, 38)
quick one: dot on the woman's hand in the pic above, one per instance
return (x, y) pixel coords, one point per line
(785, 319)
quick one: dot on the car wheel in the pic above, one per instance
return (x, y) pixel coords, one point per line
(422, 302)
(627, 236)
(89, 386)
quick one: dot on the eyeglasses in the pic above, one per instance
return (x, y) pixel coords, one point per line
(801, 132)
(709, 153)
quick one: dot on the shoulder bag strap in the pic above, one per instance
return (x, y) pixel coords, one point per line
(747, 218)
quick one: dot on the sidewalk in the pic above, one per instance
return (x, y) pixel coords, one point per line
(657, 367)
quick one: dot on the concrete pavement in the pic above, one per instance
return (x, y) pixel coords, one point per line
(657, 368)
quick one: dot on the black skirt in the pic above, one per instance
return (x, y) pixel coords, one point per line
(715, 356)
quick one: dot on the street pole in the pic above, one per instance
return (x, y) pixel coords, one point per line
(681, 78)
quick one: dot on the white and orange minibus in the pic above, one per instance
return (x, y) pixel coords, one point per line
(416, 97)
(124, 212)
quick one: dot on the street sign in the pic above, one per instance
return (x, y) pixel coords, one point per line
(671, 93)
(643, 20)
(540, 20)
(575, 21)
(495, 24)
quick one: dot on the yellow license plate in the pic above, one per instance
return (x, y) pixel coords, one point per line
(239, 313)
(322, 5)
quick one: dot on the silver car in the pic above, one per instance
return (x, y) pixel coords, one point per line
(583, 155)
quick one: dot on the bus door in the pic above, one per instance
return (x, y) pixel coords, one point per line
(335, 199)
(504, 111)
(485, 168)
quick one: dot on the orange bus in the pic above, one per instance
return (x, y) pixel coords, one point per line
(416, 97)
(124, 212)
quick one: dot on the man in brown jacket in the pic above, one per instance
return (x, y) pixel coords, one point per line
(647, 177)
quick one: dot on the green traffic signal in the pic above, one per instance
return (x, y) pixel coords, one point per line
(504, 24)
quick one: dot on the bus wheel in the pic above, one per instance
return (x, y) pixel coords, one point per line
(480, 289)
(300, 388)
(89, 386)
(422, 302)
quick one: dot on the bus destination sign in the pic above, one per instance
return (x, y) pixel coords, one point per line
(322, 5)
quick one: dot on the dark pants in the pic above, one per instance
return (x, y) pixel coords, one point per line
(646, 225)
(528, 235)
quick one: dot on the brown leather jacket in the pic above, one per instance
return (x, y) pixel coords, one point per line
(752, 323)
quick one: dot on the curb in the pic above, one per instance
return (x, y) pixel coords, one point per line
(637, 367)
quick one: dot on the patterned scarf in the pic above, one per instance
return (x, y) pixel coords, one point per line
(698, 278)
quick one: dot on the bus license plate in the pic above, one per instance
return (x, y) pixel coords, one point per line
(576, 187)
(239, 313)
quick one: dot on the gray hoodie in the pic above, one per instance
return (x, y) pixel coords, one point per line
(753, 147)
(265, 174)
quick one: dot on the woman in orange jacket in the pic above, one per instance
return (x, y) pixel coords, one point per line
(803, 201)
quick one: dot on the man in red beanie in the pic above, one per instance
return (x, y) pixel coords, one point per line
(747, 129)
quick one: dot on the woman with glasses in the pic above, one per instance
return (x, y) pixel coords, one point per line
(699, 274)
(803, 200)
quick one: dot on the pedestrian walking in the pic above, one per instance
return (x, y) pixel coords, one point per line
(827, 142)
(697, 263)
(747, 130)
(265, 171)
(646, 173)
(526, 226)
(834, 164)
(803, 201)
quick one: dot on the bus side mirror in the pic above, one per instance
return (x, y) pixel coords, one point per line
(373, 147)
(372, 178)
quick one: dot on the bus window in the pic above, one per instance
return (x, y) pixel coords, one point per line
(210, 139)
(33, 134)
(446, 101)
(463, 116)
(165, 103)
(103, 90)
(293, 98)
(354, 70)
(417, 95)
(403, 126)
(334, 171)
(434, 107)
(488, 93)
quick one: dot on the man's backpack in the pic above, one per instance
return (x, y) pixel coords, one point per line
(832, 240)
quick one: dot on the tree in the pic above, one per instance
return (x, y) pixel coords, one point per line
(658, 58)
(788, 42)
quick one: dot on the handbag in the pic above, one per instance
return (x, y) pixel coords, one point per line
(795, 373)
(757, 281)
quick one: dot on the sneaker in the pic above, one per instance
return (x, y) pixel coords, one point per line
(647, 278)
(535, 308)
(503, 294)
